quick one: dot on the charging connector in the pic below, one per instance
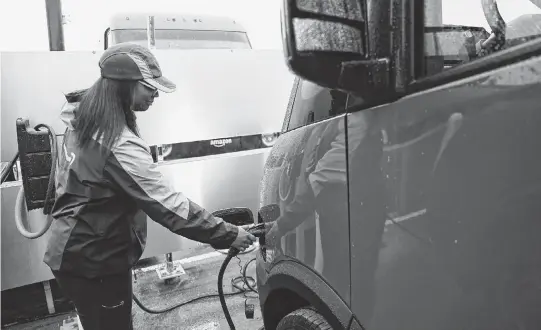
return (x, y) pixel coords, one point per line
(249, 310)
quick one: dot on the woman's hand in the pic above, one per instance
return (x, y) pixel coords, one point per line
(244, 239)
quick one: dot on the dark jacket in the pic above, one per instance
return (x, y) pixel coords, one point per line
(98, 194)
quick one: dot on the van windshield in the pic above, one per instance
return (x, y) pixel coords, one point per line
(184, 39)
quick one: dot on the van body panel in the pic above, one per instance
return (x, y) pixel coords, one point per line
(442, 190)
(444, 206)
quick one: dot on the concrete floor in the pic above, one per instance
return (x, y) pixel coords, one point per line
(200, 279)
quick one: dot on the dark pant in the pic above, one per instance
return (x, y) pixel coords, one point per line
(102, 303)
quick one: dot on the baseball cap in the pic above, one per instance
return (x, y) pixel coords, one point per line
(129, 61)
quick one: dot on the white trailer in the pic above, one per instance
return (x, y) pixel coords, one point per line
(176, 31)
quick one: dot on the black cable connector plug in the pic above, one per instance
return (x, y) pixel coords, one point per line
(258, 230)
(249, 310)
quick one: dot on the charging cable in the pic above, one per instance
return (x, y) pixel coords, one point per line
(258, 230)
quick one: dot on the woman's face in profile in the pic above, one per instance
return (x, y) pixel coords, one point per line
(143, 96)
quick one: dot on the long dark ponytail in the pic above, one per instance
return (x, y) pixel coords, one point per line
(104, 112)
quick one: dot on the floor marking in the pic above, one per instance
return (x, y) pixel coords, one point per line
(49, 297)
(207, 326)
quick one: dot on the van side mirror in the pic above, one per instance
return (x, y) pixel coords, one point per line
(326, 42)
(238, 216)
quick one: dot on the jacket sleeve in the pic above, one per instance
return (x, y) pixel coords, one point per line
(130, 166)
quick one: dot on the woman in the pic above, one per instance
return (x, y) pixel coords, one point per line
(105, 177)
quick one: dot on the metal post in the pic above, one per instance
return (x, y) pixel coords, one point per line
(54, 25)
(169, 266)
(151, 33)
(169, 262)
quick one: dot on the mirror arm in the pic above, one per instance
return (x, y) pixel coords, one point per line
(494, 18)
(369, 78)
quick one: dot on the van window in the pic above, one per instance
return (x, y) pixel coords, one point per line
(314, 103)
(457, 31)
